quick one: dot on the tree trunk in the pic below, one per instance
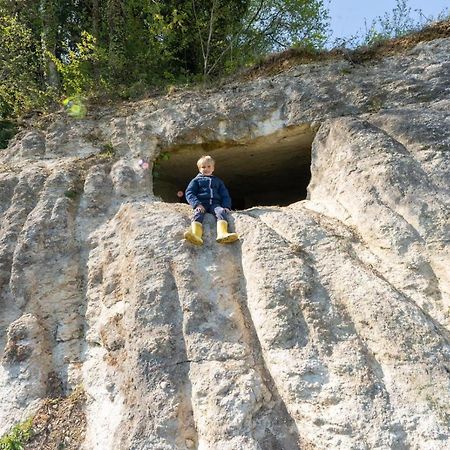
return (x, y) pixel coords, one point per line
(96, 34)
(95, 20)
(116, 34)
(48, 41)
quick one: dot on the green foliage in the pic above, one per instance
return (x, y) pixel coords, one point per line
(108, 151)
(391, 25)
(55, 49)
(19, 68)
(163, 156)
(72, 194)
(139, 46)
(76, 68)
(399, 21)
(291, 22)
(7, 130)
(17, 437)
(238, 33)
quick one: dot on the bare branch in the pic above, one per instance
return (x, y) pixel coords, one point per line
(208, 45)
(199, 31)
(243, 29)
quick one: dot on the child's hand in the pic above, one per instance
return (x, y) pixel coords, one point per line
(228, 210)
(200, 208)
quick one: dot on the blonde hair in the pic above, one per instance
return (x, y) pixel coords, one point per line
(205, 159)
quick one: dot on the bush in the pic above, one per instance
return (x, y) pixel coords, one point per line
(7, 130)
(19, 70)
(76, 70)
(396, 23)
(17, 437)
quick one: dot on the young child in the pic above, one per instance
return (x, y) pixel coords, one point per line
(207, 194)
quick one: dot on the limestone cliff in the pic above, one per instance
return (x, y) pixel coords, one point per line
(325, 327)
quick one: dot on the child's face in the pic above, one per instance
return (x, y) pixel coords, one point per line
(206, 168)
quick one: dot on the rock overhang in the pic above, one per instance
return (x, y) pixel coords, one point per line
(267, 170)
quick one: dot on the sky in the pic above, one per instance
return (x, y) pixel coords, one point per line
(347, 16)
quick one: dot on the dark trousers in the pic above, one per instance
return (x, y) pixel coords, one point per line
(216, 210)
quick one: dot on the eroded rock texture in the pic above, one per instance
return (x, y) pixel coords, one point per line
(325, 327)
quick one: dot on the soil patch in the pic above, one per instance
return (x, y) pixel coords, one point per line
(60, 423)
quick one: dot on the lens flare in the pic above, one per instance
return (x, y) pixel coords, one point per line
(75, 107)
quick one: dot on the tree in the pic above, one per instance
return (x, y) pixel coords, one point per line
(19, 68)
(117, 34)
(49, 41)
(280, 24)
(236, 32)
(217, 24)
(65, 45)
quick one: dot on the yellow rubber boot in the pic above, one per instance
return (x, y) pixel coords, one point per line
(194, 234)
(223, 237)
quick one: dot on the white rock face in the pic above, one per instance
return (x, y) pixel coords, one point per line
(325, 327)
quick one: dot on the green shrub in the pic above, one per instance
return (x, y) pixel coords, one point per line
(401, 20)
(7, 130)
(17, 437)
(107, 151)
(76, 70)
(19, 70)
(164, 156)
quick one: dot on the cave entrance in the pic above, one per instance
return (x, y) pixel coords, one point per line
(269, 170)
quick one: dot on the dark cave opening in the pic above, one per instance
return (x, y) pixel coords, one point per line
(267, 171)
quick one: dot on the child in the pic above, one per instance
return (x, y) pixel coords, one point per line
(207, 194)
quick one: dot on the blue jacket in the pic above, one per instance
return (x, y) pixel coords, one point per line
(207, 190)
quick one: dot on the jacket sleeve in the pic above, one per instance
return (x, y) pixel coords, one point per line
(224, 195)
(191, 193)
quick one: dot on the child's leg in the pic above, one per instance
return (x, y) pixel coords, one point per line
(223, 237)
(198, 216)
(220, 213)
(195, 232)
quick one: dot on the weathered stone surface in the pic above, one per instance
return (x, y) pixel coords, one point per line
(325, 327)
(26, 364)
